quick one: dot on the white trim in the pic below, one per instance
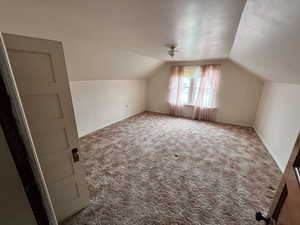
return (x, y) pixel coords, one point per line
(110, 123)
(234, 123)
(218, 121)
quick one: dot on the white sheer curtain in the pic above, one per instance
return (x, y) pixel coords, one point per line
(206, 101)
(175, 98)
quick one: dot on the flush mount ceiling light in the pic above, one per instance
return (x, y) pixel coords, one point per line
(172, 50)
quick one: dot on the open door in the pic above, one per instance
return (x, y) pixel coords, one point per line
(39, 70)
(285, 209)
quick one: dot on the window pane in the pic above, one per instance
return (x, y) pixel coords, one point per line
(196, 85)
(186, 96)
(186, 89)
(191, 84)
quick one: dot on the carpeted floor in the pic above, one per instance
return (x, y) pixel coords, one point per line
(154, 169)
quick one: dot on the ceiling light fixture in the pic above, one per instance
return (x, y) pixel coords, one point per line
(172, 50)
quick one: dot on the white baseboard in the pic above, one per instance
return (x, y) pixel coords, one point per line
(110, 123)
(161, 112)
(218, 121)
(234, 123)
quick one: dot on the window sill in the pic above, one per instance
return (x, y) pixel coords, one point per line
(190, 105)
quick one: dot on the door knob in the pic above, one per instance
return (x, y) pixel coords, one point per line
(260, 217)
(75, 154)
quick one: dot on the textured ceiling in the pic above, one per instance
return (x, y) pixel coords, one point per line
(201, 28)
(126, 39)
(268, 39)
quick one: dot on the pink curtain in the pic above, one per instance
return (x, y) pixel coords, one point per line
(175, 98)
(206, 99)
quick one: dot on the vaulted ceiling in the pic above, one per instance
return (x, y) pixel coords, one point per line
(127, 39)
(268, 39)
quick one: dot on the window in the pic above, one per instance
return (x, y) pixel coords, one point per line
(196, 86)
(190, 85)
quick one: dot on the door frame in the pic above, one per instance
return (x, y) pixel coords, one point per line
(17, 133)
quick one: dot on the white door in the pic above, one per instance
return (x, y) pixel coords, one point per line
(39, 69)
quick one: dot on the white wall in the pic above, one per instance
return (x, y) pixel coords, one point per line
(239, 92)
(102, 102)
(15, 208)
(278, 119)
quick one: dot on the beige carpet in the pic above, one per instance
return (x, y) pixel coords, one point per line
(153, 169)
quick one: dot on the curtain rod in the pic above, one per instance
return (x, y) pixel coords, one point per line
(208, 64)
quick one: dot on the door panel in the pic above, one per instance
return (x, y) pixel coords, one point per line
(49, 107)
(54, 174)
(285, 209)
(26, 63)
(280, 214)
(283, 218)
(51, 141)
(40, 73)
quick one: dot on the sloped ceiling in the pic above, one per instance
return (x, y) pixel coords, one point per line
(126, 39)
(89, 52)
(113, 39)
(268, 39)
